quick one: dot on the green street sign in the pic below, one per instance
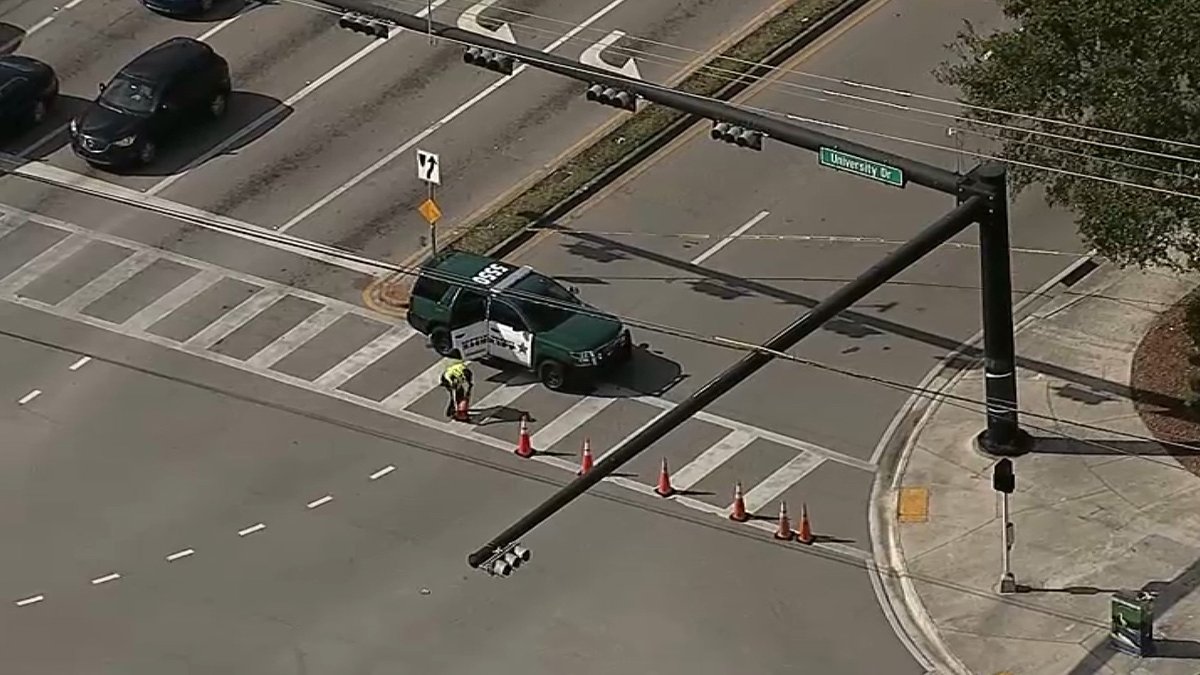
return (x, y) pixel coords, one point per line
(836, 159)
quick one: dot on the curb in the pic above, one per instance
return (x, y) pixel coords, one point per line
(640, 153)
(894, 588)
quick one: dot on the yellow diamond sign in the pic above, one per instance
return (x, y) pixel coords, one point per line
(430, 210)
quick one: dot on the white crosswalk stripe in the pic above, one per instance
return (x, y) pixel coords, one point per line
(701, 463)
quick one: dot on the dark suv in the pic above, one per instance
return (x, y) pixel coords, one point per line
(539, 325)
(28, 88)
(157, 94)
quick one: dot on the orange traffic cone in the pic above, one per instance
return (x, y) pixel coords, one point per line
(585, 465)
(462, 412)
(664, 488)
(524, 444)
(804, 535)
(739, 505)
(784, 532)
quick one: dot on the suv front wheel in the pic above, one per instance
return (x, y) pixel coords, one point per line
(552, 374)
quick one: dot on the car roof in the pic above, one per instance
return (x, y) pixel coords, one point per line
(20, 64)
(166, 58)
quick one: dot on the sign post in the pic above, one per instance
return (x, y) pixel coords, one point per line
(1004, 481)
(429, 169)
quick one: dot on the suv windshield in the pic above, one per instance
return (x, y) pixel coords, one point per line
(129, 95)
(544, 317)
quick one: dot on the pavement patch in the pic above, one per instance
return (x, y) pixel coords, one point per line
(913, 505)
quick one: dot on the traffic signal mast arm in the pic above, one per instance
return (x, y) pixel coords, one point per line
(929, 239)
(790, 133)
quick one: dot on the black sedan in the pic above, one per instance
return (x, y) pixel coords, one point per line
(28, 89)
(179, 7)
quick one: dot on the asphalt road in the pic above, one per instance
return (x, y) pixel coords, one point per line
(321, 136)
(168, 389)
(141, 454)
(657, 247)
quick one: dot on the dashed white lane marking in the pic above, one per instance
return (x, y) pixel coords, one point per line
(382, 472)
(257, 527)
(730, 238)
(31, 600)
(29, 397)
(180, 554)
(448, 118)
(105, 579)
(320, 502)
(279, 109)
(83, 361)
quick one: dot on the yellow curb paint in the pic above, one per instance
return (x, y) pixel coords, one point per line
(913, 505)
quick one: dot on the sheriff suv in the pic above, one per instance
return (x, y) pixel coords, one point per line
(516, 315)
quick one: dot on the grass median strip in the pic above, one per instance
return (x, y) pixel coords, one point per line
(523, 211)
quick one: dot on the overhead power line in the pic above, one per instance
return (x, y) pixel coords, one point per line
(900, 93)
(462, 281)
(542, 60)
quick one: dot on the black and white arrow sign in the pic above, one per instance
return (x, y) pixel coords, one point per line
(429, 167)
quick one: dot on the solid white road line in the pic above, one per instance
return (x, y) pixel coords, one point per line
(416, 387)
(83, 361)
(449, 117)
(574, 417)
(41, 263)
(710, 459)
(369, 353)
(257, 527)
(112, 277)
(180, 554)
(503, 396)
(730, 238)
(29, 397)
(105, 579)
(785, 477)
(236, 317)
(171, 300)
(278, 110)
(30, 600)
(301, 333)
(382, 472)
(320, 502)
(47, 173)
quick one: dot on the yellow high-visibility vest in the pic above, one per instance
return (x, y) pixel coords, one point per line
(456, 373)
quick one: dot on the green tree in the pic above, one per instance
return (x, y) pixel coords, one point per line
(1126, 65)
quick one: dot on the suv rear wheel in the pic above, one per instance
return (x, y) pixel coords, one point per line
(439, 339)
(552, 374)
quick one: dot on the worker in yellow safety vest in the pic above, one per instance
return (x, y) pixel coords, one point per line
(458, 381)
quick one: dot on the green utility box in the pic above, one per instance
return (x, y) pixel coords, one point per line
(1132, 629)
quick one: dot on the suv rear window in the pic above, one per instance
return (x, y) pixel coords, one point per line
(430, 289)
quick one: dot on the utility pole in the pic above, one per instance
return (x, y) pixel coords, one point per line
(1003, 436)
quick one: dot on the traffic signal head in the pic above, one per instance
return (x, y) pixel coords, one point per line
(1003, 478)
(366, 25)
(508, 561)
(611, 96)
(739, 136)
(493, 61)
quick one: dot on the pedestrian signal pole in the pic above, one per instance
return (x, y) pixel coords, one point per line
(1004, 481)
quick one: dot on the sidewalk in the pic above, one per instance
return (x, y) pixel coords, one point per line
(1087, 520)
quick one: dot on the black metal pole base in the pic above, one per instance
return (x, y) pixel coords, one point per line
(1020, 444)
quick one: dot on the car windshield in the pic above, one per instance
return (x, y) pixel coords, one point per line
(544, 317)
(129, 95)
